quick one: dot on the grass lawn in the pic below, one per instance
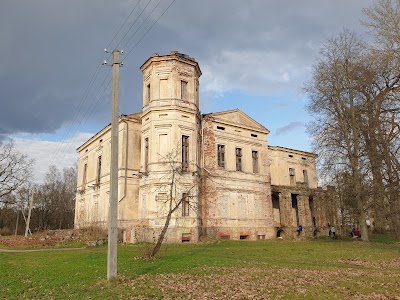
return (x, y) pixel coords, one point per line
(275, 269)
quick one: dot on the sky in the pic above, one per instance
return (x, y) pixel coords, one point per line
(255, 55)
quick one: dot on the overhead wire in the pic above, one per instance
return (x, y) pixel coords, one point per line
(129, 52)
(142, 24)
(94, 103)
(87, 91)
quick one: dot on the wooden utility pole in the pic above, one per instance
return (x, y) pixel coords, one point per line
(113, 205)
(29, 215)
(16, 223)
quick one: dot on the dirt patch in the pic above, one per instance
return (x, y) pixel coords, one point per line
(55, 237)
(269, 283)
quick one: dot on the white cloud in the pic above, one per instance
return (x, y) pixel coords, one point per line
(46, 153)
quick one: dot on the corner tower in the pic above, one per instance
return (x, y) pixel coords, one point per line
(170, 146)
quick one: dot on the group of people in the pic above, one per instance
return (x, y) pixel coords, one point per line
(355, 233)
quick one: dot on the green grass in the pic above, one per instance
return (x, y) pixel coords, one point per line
(276, 269)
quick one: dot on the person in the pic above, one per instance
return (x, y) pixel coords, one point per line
(300, 230)
(333, 231)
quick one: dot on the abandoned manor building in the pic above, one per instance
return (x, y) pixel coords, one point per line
(218, 167)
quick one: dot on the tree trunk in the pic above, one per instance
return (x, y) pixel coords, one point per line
(161, 236)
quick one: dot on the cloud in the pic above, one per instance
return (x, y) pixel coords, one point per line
(288, 128)
(51, 50)
(46, 153)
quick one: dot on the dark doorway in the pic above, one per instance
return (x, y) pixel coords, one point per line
(295, 209)
(276, 209)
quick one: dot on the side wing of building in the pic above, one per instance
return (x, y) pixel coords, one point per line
(92, 198)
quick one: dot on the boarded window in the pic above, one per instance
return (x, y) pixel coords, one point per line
(164, 146)
(292, 176)
(98, 170)
(144, 206)
(238, 159)
(185, 205)
(185, 153)
(161, 202)
(254, 155)
(183, 90)
(146, 154)
(223, 206)
(242, 207)
(305, 175)
(221, 156)
(164, 89)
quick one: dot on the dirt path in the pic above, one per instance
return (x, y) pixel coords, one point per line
(38, 250)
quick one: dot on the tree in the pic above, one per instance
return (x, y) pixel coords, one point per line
(335, 101)
(382, 109)
(179, 195)
(55, 200)
(15, 169)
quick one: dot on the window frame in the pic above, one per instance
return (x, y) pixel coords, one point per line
(146, 154)
(185, 153)
(292, 176)
(239, 161)
(185, 205)
(221, 155)
(254, 158)
(184, 90)
(98, 177)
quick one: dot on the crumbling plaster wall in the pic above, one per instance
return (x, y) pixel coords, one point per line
(235, 204)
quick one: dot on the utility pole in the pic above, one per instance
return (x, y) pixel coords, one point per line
(29, 216)
(113, 205)
(16, 224)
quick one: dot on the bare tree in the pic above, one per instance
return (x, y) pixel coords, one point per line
(15, 169)
(55, 199)
(180, 196)
(382, 107)
(335, 101)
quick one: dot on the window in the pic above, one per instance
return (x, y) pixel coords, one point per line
(146, 154)
(261, 236)
(185, 152)
(305, 175)
(183, 90)
(254, 155)
(98, 170)
(253, 135)
(220, 127)
(221, 156)
(292, 176)
(185, 205)
(186, 237)
(238, 159)
(148, 94)
(84, 175)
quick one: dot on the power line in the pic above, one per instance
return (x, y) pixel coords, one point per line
(133, 23)
(142, 23)
(94, 103)
(123, 24)
(127, 54)
(88, 89)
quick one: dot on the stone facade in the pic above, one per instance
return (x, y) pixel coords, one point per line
(218, 167)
